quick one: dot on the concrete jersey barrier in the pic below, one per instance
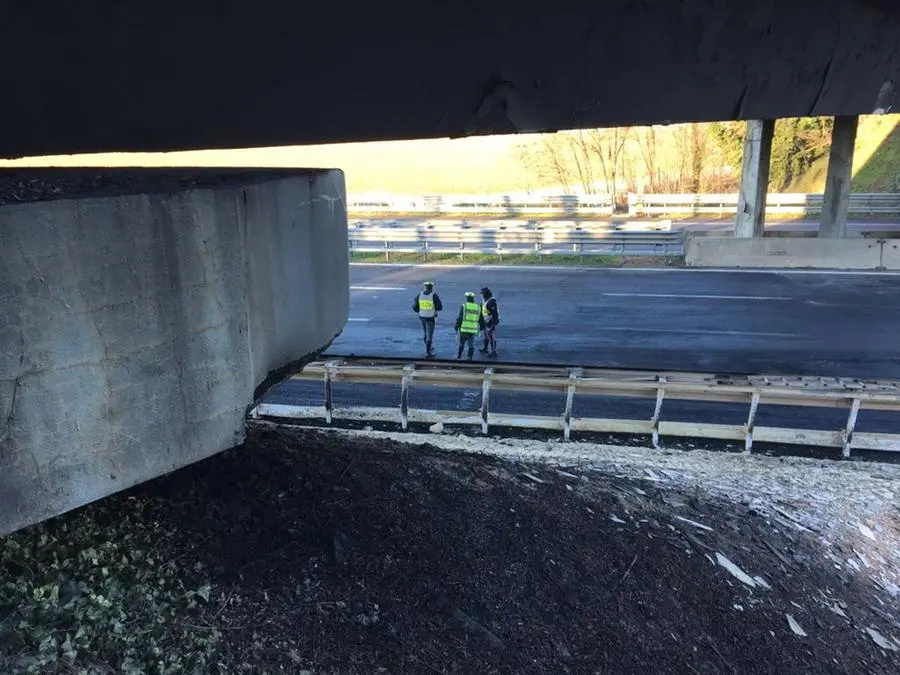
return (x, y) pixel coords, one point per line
(778, 252)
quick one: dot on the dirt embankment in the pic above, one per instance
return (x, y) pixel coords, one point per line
(334, 553)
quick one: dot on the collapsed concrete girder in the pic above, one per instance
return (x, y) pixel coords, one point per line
(94, 75)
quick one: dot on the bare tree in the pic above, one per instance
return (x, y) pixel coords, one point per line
(646, 139)
(580, 146)
(608, 146)
(554, 154)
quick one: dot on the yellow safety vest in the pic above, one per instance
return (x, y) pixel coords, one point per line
(426, 306)
(470, 318)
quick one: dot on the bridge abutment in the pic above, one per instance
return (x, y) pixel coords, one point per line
(138, 324)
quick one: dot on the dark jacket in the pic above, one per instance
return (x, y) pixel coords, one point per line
(438, 305)
(459, 318)
(493, 317)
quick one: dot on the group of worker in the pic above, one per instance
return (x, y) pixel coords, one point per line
(473, 318)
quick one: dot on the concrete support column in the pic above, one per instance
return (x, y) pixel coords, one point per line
(840, 173)
(751, 211)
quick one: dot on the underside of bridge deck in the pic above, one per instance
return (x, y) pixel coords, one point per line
(94, 75)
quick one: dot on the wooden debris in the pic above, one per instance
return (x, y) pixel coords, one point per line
(735, 571)
(795, 627)
(694, 523)
(628, 571)
(762, 583)
(866, 532)
(881, 641)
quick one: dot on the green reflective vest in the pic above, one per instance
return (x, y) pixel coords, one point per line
(470, 318)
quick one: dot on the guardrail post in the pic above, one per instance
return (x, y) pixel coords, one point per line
(751, 417)
(387, 253)
(462, 246)
(330, 367)
(660, 395)
(847, 436)
(425, 251)
(485, 397)
(404, 395)
(570, 399)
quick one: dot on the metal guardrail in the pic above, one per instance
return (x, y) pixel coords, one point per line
(776, 203)
(886, 204)
(549, 241)
(752, 391)
(506, 205)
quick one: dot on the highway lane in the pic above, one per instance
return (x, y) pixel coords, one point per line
(763, 322)
(804, 324)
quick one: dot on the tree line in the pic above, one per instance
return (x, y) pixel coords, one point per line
(680, 158)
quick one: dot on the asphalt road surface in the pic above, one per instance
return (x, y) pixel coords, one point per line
(788, 323)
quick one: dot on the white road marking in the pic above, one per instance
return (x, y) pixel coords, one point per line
(696, 297)
(356, 318)
(677, 331)
(376, 288)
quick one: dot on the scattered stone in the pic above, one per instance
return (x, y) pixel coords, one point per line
(437, 428)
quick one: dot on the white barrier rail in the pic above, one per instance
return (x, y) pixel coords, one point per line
(753, 391)
(550, 241)
(861, 204)
(504, 205)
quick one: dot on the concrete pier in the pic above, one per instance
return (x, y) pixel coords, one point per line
(839, 178)
(751, 211)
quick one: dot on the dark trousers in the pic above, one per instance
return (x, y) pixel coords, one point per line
(465, 338)
(490, 339)
(428, 332)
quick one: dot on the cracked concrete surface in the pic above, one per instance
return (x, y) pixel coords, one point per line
(138, 326)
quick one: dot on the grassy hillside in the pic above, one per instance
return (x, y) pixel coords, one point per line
(876, 160)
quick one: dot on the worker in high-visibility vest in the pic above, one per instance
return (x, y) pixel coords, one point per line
(490, 315)
(468, 323)
(427, 305)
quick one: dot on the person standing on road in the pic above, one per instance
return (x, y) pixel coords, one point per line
(490, 316)
(468, 323)
(427, 305)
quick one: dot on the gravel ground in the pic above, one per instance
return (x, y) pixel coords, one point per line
(350, 552)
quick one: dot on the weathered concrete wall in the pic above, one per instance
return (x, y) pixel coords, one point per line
(854, 253)
(135, 329)
(271, 72)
